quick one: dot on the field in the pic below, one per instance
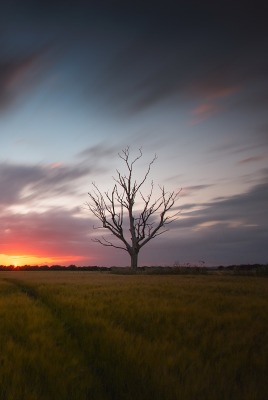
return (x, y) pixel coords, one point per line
(93, 335)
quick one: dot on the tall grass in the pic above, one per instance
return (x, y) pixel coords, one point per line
(83, 335)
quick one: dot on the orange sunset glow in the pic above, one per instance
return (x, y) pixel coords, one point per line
(20, 260)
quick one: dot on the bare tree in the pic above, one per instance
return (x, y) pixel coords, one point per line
(116, 212)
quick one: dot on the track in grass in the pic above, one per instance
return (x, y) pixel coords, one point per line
(100, 351)
(48, 361)
(137, 337)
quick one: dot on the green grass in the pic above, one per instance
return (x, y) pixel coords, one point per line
(91, 335)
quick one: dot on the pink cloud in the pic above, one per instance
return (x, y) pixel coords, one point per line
(222, 92)
(213, 90)
(212, 99)
(203, 112)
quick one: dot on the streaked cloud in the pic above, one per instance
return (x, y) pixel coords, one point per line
(252, 159)
(57, 233)
(189, 190)
(24, 183)
(203, 112)
(249, 208)
(19, 74)
(231, 225)
(214, 92)
(78, 79)
(98, 152)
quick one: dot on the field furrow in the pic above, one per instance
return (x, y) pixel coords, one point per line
(41, 358)
(101, 336)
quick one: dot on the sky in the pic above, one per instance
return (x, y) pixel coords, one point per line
(82, 80)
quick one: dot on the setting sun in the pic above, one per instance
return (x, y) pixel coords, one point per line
(20, 260)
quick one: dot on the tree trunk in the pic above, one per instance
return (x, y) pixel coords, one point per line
(134, 260)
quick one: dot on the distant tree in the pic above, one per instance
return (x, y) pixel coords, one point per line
(112, 209)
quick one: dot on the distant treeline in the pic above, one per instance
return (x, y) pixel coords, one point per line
(243, 269)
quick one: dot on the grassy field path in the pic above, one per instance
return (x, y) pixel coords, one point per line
(41, 357)
(71, 335)
(98, 345)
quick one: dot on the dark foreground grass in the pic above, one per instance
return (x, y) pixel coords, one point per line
(86, 335)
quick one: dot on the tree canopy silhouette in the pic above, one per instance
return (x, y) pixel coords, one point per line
(133, 228)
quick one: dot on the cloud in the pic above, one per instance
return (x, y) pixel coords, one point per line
(244, 209)
(189, 190)
(234, 147)
(53, 233)
(97, 153)
(214, 91)
(203, 112)
(56, 234)
(143, 54)
(253, 140)
(177, 58)
(214, 100)
(19, 74)
(252, 159)
(217, 245)
(23, 183)
(223, 231)
(262, 134)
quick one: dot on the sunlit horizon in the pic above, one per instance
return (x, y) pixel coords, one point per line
(22, 260)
